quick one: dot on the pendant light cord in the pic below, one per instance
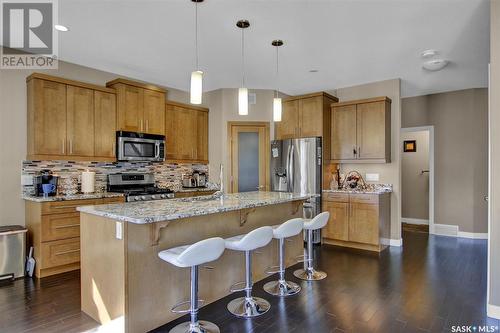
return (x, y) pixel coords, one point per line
(196, 32)
(277, 73)
(243, 56)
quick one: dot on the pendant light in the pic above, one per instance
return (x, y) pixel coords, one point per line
(243, 92)
(277, 106)
(197, 75)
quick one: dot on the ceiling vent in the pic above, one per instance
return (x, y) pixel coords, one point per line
(252, 98)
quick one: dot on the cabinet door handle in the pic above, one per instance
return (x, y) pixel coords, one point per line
(66, 252)
(63, 146)
(140, 125)
(359, 151)
(147, 125)
(70, 146)
(113, 147)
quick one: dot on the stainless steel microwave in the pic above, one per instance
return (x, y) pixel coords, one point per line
(132, 146)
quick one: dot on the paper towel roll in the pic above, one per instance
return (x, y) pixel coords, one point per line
(88, 181)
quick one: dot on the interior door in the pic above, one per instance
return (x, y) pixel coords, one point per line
(287, 128)
(344, 145)
(311, 117)
(105, 124)
(154, 112)
(371, 130)
(80, 121)
(249, 157)
(49, 102)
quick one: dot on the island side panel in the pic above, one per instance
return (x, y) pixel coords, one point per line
(103, 268)
(154, 286)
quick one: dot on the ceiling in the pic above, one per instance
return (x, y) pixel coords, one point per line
(349, 42)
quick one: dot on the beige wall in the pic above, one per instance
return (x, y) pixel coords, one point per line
(414, 183)
(494, 197)
(389, 173)
(460, 120)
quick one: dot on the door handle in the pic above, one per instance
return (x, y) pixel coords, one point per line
(424, 171)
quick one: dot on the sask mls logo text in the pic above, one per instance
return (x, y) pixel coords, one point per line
(29, 40)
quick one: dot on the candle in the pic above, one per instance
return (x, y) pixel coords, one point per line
(88, 181)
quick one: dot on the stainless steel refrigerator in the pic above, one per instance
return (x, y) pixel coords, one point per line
(296, 167)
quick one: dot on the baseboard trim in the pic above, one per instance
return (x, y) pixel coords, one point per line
(396, 242)
(414, 221)
(444, 230)
(473, 235)
(493, 311)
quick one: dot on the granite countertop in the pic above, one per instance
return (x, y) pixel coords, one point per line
(370, 189)
(195, 189)
(172, 209)
(80, 196)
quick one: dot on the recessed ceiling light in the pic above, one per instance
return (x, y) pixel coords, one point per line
(61, 28)
(313, 71)
(435, 65)
(428, 53)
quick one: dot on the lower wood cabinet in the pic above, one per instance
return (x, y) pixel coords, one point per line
(358, 220)
(54, 232)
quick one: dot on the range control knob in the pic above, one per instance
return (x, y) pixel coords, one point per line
(137, 198)
(153, 197)
(143, 197)
(163, 196)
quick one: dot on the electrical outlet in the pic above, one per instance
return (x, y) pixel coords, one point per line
(119, 230)
(26, 180)
(372, 177)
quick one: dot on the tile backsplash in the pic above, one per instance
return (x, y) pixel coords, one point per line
(166, 175)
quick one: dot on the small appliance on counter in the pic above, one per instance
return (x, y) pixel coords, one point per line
(195, 180)
(45, 184)
(137, 187)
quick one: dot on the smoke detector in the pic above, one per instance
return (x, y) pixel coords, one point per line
(435, 65)
(428, 53)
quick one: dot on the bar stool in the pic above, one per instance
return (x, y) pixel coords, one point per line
(249, 306)
(192, 256)
(308, 272)
(282, 287)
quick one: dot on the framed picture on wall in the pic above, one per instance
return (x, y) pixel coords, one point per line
(410, 146)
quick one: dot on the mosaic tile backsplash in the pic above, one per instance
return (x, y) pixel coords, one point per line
(166, 175)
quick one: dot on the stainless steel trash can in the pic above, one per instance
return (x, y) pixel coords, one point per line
(12, 251)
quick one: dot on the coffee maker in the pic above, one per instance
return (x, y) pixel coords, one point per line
(45, 177)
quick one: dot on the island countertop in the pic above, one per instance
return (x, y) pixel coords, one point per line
(172, 209)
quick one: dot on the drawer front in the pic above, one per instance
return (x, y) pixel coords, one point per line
(337, 197)
(60, 226)
(61, 252)
(112, 200)
(68, 206)
(364, 198)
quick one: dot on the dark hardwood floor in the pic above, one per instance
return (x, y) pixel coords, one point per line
(430, 285)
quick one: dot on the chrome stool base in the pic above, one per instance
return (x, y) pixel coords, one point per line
(282, 288)
(202, 327)
(248, 307)
(309, 274)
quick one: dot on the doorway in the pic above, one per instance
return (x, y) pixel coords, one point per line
(249, 144)
(417, 173)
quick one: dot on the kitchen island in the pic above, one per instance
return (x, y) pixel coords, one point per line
(125, 282)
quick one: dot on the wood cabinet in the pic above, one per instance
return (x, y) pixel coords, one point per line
(186, 131)
(140, 106)
(358, 220)
(104, 124)
(361, 131)
(306, 116)
(69, 120)
(54, 233)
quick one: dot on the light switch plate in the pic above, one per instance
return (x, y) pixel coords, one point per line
(372, 177)
(26, 180)
(119, 230)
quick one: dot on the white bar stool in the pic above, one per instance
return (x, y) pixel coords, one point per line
(282, 287)
(308, 272)
(249, 306)
(192, 256)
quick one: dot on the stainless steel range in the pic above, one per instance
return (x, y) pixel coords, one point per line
(137, 187)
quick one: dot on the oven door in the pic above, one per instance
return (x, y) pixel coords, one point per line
(139, 149)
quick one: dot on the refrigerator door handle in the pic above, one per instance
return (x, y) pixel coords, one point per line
(290, 165)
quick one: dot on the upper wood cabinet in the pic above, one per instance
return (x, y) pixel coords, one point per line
(186, 132)
(65, 119)
(104, 124)
(141, 107)
(361, 131)
(306, 116)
